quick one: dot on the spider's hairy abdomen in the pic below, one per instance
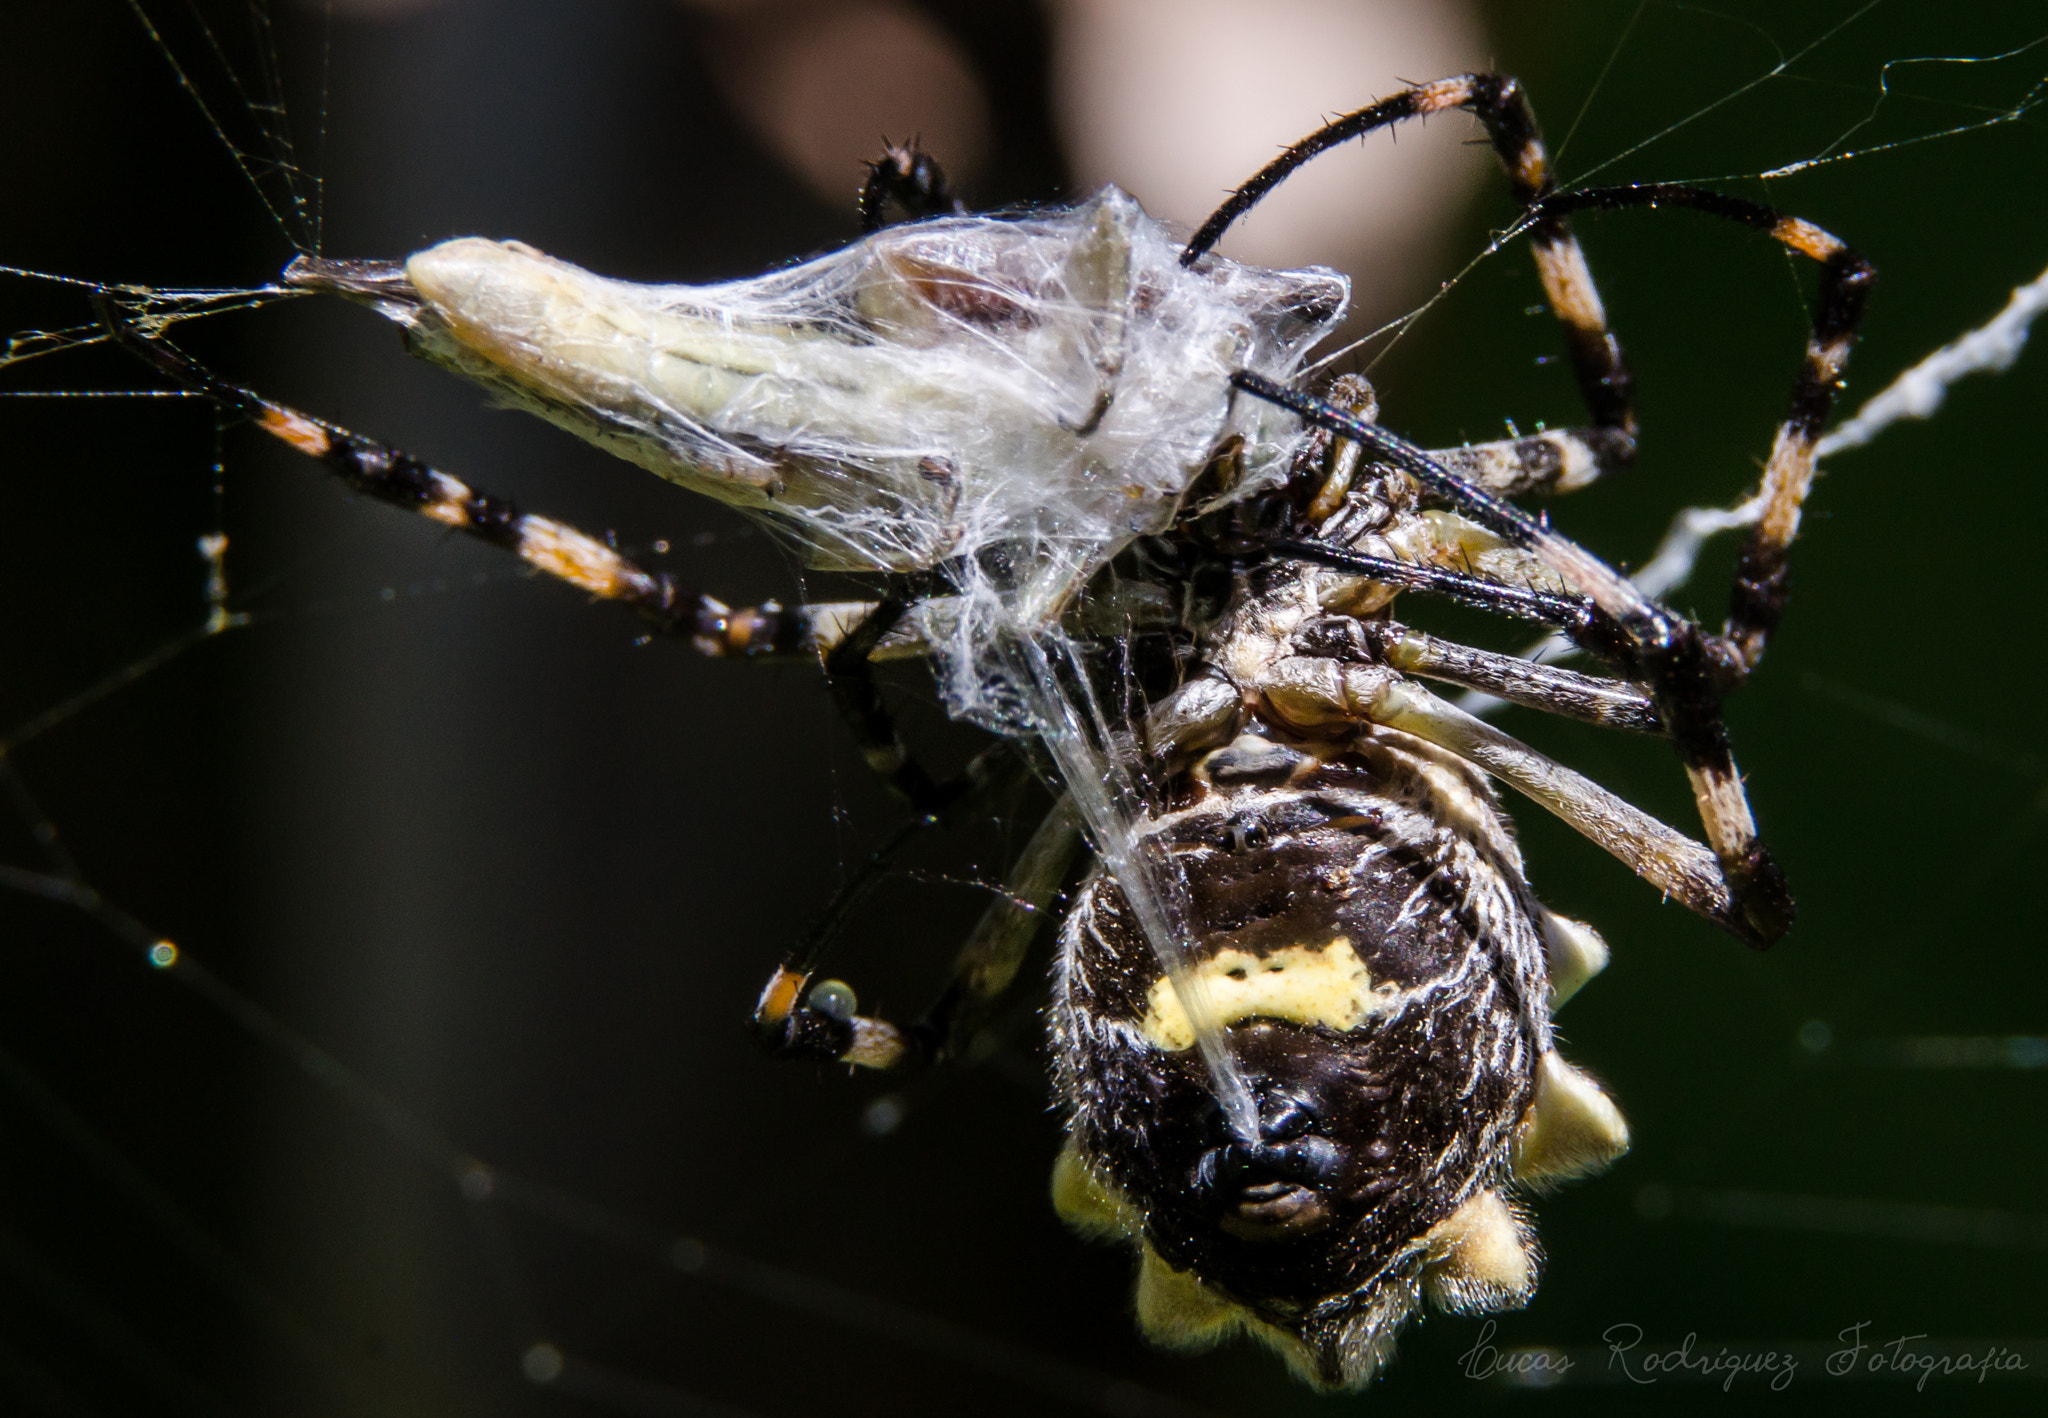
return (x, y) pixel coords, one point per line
(1381, 973)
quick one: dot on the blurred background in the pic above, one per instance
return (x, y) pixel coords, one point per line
(447, 1107)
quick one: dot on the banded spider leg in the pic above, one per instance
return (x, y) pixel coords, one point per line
(795, 1018)
(1684, 670)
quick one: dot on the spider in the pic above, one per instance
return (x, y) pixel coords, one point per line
(1301, 1015)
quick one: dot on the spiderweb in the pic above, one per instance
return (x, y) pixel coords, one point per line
(437, 1100)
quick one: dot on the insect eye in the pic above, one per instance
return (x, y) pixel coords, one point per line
(834, 999)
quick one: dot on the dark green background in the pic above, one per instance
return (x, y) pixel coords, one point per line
(524, 877)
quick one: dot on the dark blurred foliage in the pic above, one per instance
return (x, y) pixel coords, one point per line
(523, 875)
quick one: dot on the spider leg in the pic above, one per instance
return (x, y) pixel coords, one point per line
(390, 475)
(1759, 593)
(845, 637)
(1543, 464)
(797, 1018)
(994, 951)
(850, 676)
(1565, 460)
(1591, 699)
(1683, 670)
(1758, 597)
(1315, 690)
(1664, 857)
(1560, 461)
(1575, 615)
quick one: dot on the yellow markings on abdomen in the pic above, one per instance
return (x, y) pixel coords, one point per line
(1298, 984)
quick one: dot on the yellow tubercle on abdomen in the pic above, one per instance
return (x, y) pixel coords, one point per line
(1298, 984)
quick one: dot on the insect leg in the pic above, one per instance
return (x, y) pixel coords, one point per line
(798, 1019)
(1560, 461)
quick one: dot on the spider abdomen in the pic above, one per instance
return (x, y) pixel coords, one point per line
(1355, 930)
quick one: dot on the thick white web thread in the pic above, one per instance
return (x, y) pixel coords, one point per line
(539, 1363)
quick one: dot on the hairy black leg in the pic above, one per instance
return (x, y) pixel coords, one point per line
(1685, 669)
(1011, 49)
(1592, 578)
(912, 179)
(1497, 101)
(1759, 594)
